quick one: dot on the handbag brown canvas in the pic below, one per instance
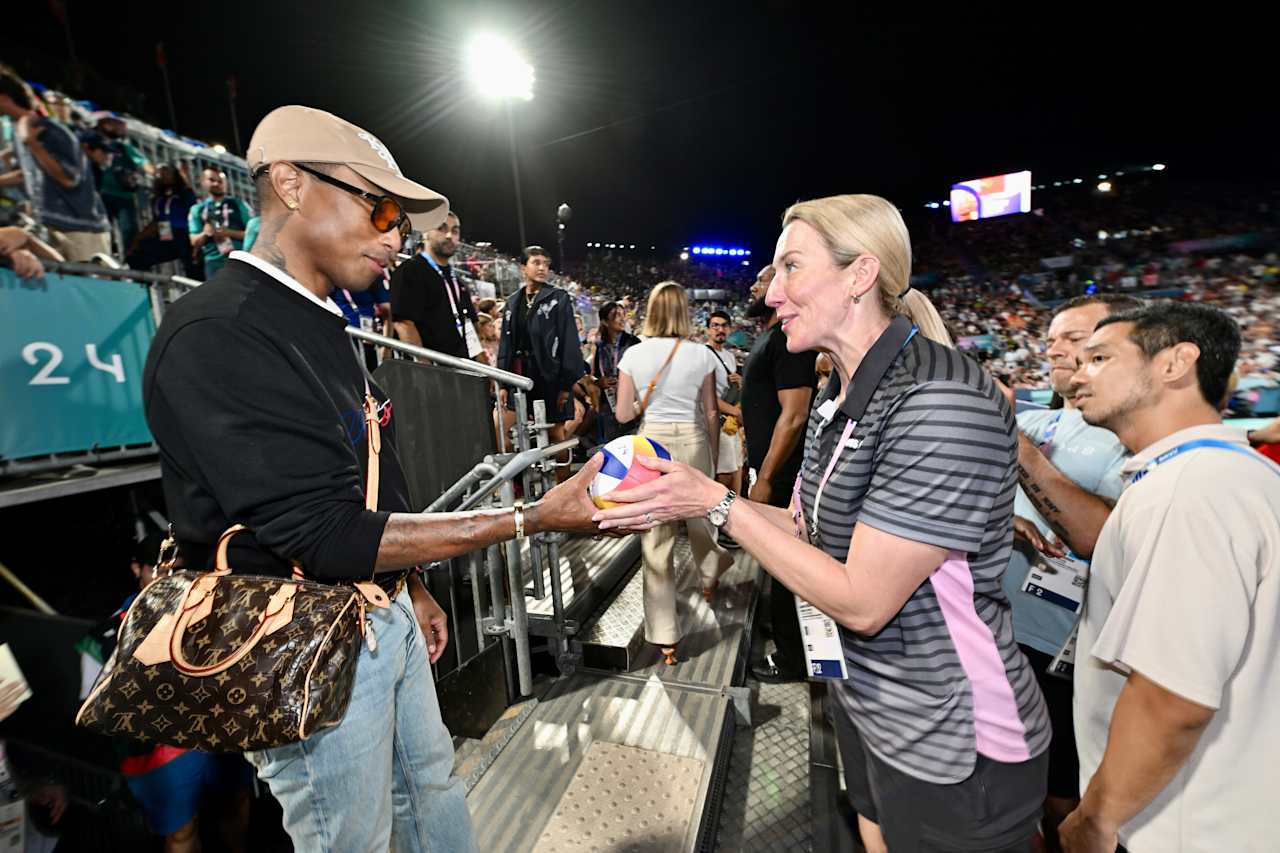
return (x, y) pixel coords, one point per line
(224, 662)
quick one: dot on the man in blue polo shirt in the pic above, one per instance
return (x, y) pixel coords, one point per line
(1068, 480)
(217, 224)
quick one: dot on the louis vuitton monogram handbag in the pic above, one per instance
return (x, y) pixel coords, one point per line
(223, 662)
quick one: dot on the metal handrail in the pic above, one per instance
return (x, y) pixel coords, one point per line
(513, 468)
(503, 377)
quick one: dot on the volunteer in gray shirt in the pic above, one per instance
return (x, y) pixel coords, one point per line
(901, 531)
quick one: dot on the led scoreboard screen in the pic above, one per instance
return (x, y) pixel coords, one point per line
(984, 198)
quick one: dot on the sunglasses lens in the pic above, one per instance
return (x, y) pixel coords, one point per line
(385, 214)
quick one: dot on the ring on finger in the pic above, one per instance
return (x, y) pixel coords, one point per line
(648, 518)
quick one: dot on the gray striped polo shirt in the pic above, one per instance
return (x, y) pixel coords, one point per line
(932, 459)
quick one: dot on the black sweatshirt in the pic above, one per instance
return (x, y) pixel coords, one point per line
(254, 395)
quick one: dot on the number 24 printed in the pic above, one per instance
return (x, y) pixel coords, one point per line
(44, 376)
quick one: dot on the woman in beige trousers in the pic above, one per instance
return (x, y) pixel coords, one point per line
(678, 404)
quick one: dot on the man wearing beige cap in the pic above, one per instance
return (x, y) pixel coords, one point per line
(255, 398)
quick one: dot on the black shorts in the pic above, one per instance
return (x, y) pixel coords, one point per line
(1064, 762)
(995, 810)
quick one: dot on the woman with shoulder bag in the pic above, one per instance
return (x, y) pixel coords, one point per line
(680, 412)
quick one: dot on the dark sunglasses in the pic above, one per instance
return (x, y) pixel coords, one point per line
(387, 212)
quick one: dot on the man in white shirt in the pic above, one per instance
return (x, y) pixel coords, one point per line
(1177, 678)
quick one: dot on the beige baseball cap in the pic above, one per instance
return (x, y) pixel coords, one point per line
(307, 135)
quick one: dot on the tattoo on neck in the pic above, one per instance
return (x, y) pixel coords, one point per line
(266, 246)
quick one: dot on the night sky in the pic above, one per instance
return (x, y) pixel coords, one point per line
(671, 124)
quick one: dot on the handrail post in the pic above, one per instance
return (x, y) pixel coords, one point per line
(544, 543)
(519, 617)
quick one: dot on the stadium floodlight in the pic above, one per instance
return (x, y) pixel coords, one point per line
(1104, 187)
(947, 203)
(497, 70)
(1078, 181)
(1102, 177)
(1158, 167)
(684, 256)
(748, 251)
(633, 245)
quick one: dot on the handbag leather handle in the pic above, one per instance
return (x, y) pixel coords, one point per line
(204, 587)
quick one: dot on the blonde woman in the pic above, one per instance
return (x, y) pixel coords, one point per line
(674, 381)
(900, 531)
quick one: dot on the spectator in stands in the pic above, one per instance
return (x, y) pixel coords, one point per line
(676, 388)
(23, 251)
(729, 395)
(171, 784)
(432, 305)
(1069, 478)
(539, 341)
(613, 342)
(777, 388)
(1179, 651)
(216, 225)
(55, 172)
(119, 175)
(901, 532)
(256, 368)
(166, 238)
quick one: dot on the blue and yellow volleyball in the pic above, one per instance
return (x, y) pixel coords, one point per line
(621, 470)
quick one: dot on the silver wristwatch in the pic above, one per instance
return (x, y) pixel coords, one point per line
(719, 513)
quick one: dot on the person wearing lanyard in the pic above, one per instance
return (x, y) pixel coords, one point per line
(1178, 658)
(901, 527)
(166, 238)
(432, 308)
(613, 341)
(216, 225)
(1069, 478)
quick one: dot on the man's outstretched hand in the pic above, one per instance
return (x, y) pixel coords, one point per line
(567, 507)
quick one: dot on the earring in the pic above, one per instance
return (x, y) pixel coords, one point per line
(856, 299)
(292, 205)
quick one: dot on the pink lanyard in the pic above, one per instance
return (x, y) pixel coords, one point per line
(797, 509)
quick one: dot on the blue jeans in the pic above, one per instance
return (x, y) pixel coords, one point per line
(387, 767)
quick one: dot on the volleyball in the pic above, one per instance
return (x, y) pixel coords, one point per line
(621, 470)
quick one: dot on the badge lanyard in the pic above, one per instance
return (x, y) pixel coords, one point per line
(1195, 445)
(449, 291)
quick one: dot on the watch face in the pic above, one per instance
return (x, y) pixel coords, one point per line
(718, 517)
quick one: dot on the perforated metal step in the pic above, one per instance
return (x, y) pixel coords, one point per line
(650, 813)
(520, 792)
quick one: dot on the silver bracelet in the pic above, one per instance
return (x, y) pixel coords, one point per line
(519, 508)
